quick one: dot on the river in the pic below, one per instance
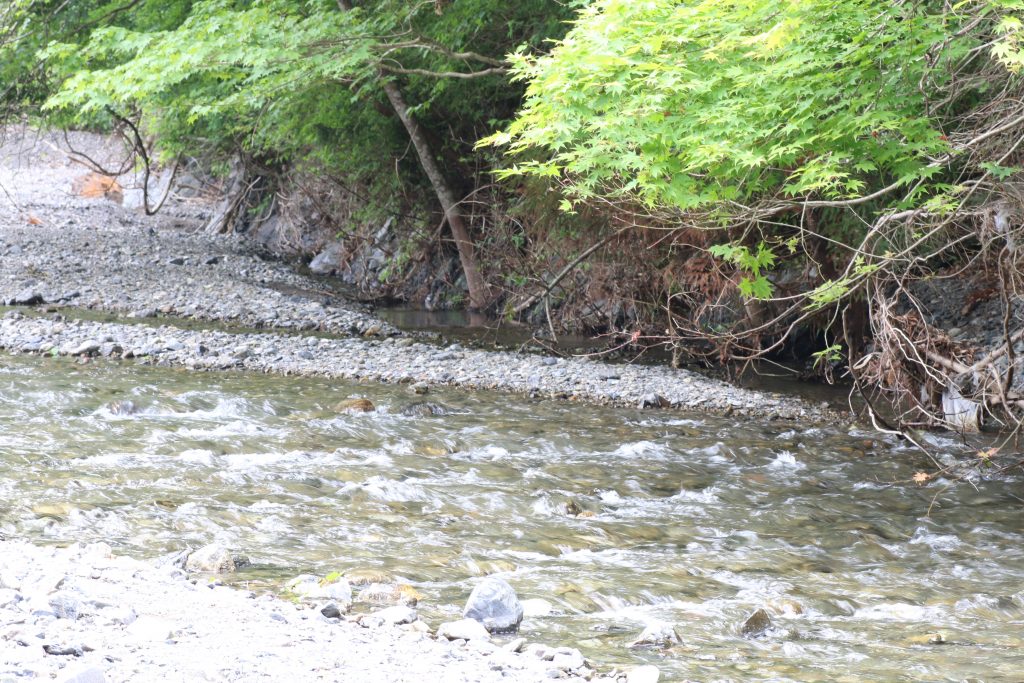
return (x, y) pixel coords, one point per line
(692, 520)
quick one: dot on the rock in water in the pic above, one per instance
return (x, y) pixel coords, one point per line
(657, 635)
(122, 407)
(356, 405)
(494, 604)
(423, 409)
(756, 624)
(211, 558)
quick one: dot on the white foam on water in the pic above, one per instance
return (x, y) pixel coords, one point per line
(199, 456)
(786, 460)
(938, 542)
(640, 448)
(706, 495)
(898, 611)
(262, 459)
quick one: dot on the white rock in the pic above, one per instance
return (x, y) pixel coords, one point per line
(567, 659)
(399, 614)
(463, 629)
(493, 603)
(658, 634)
(211, 558)
(516, 645)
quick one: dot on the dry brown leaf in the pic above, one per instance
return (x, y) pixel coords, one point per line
(921, 477)
(32, 220)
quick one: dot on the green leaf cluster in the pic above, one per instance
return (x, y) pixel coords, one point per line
(697, 103)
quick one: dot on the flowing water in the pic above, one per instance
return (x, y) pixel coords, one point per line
(692, 520)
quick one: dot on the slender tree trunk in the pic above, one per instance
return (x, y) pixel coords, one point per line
(479, 294)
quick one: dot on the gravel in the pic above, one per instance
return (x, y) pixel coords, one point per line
(57, 247)
(83, 614)
(96, 254)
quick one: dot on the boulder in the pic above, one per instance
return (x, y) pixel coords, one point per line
(423, 409)
(657, 635)
(213, 558)
(26, 297)
(328, 261)
(756, 624)
(356, 405)
(494, 604)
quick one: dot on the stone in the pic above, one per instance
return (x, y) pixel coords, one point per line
(515, 645)
(332, 610)
(643, 674)
(213, 558)
(568, 659)
(328, 260)
(86, 348)
(122, 407)
(756, 624)
(420, 388)
(356, 405)
(26, 297)
(494, 604)
(65, 605)
(659, 634)
(423, 409)
(399, 614)
(463, 629)
(652, 400)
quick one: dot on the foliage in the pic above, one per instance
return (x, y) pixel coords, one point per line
(698, 103)
(288, 80)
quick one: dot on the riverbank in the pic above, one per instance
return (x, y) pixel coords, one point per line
(58, 249)
(84, 615)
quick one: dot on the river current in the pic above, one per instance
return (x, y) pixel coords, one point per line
(618, 518)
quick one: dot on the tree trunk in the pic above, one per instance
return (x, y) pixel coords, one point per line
(479, 294)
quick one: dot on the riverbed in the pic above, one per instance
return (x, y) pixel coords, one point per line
(616, 518)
